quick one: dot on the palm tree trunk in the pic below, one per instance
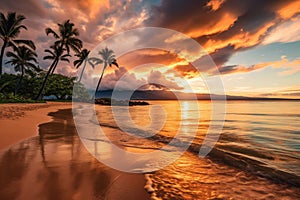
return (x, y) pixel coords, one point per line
(52, 71)
(19, 82)
(53, 66)
(82, 71)
(105, 64)
(1, 56)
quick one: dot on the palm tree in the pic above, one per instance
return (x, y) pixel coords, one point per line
(24, 60)
(67, 36)
(108, 58)
(56, 54)
(66, 40)
(82, 59)
(10, 28)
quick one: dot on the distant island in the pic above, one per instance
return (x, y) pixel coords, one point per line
(109, 101)
(169, 95)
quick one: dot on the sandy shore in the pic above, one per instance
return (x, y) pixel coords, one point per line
(56, 154)
(20, 121)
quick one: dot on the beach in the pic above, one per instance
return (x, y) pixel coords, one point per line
(48, 151)
(41, 140)
(20, 121)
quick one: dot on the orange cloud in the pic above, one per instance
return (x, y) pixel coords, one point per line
(215, 4)
(288, 67)
(243, 39)
(289, 9)
(213, 26)
(188, 71)
(145, 56)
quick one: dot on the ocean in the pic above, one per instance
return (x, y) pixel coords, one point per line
(257, 155)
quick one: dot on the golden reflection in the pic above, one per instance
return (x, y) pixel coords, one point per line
(59, 167)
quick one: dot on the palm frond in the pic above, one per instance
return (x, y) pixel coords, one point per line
(50, 31)
(48, 58)
(28, 43)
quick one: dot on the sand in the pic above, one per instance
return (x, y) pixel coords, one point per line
(20, 121)
(68, 170)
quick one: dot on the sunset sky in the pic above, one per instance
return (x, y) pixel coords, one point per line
(255, 44)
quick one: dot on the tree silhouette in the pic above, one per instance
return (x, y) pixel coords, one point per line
(82, 59)
(10, 28)
(66, 39)
(107, 58)
(24, 60)
(56, 54)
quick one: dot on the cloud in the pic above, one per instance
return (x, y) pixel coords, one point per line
(286, 32)
(145, 56)
(289, 9)
(188, 71)
(286, 92)
(215, 4)
(126, 80)
(239, 69)
(32, 8)
(96, 20)
(222, 27)
(157, 78)
(218, 25)
(287, 67)
(67, 70)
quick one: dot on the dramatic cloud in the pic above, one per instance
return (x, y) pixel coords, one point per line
(221, 27)
(287, 67)
(96, 20)
(215, 24)
(187, 71)
(157, 78)
(145, 56)
(125, 80)
(286, 32)
(215, 4)
(218, 25)
(238, 69)
(32, 8)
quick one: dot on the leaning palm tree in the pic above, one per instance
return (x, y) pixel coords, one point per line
(82, 59)
(24, 60)
(56, 54)
(66, 39)
(10, 28)
(107, 58)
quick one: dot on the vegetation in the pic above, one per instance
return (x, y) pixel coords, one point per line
(30, 83)
(23, 60)
(82, 59)
(107, 58)
(60, 87)
(10, 28)
(66, 39)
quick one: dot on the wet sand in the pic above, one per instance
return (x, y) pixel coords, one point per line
(55, 164)
(20, 121)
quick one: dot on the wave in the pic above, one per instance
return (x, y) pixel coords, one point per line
(242, 157)
(265, 114)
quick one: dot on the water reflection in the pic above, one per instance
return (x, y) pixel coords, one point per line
(55, 165)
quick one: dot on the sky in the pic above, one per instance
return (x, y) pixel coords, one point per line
(254, 45)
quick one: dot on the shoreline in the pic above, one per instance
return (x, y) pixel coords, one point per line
(25, 117)
(45, 130)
